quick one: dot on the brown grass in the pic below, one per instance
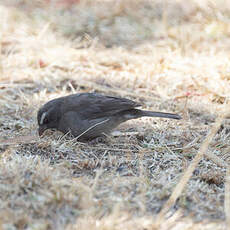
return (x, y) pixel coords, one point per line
(168, 55)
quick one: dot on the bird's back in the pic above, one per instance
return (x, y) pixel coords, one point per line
(91, 105)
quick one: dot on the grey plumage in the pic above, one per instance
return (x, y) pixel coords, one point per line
(90, 115)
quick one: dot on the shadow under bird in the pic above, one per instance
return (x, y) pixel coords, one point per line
(90, 115)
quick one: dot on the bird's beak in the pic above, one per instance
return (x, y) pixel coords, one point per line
(41, 130)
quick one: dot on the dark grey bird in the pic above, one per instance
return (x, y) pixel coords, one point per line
(90, 115)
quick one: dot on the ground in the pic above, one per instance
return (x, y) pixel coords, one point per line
(170, 56)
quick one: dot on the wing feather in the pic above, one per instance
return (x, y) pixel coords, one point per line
(93, 105)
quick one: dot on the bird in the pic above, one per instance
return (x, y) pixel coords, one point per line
(88, 116)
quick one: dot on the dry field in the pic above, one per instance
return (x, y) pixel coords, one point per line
(159, 174)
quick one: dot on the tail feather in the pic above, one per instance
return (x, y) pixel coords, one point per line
(135, 113)
(160, 114)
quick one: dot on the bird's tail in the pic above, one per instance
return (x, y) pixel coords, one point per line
(135, 113)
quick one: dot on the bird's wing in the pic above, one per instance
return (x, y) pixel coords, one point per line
(92, 105)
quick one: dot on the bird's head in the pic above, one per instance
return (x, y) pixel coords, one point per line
(48, 117)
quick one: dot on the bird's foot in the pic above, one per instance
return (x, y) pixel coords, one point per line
(98, 140)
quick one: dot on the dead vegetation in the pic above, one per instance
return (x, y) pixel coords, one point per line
(168, 55)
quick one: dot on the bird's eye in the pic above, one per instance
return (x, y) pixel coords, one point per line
(44, 119)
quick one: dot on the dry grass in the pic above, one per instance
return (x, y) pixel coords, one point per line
(170, 56)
